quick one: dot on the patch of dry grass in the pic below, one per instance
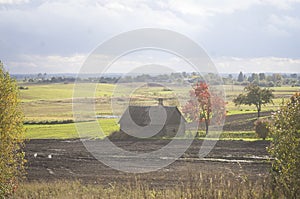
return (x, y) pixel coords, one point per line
(198, 186)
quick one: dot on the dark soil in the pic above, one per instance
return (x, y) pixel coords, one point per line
(70, 160)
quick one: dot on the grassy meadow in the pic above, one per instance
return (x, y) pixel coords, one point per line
(67, 131)
(46, 103)
(217, 186)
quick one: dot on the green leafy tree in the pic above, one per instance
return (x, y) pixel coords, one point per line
(262, 76)
(11, 135)
(253, 78)
(240, 77)
(277, 78)
(285, 148)
(255, 96)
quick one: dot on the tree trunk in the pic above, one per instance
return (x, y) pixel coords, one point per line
(206, 127)
(197, 133)
(258, 111)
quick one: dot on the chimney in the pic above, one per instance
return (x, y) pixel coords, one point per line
(160, 101)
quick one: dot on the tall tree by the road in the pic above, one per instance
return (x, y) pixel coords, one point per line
(255, 96)
(203, 105)
(11, 135)
(240, 77)
(262, 76)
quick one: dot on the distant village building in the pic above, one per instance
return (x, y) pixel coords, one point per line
(167, 121)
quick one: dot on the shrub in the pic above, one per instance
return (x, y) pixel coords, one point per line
(261, 128)
(285, 148)
(23, 88)
(66, 121)
(167, 89)
(11, 135)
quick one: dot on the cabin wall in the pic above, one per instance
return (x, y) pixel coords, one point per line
(169, 130)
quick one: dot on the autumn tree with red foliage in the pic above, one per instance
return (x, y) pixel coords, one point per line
(204, 105)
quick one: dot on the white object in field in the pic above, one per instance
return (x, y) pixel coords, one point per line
(35, 155)
(50, 156)
(50, 171)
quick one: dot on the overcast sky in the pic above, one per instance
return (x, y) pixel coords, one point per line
(239, 35)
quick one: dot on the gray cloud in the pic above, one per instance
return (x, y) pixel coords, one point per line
(34, 31)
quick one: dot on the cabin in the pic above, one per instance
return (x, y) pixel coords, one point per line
(152, 121)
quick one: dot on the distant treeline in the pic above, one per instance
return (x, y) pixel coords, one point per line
(261, 79)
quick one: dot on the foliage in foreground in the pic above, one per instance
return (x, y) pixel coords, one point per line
(11, 135)
(198, 186)
(285, 148)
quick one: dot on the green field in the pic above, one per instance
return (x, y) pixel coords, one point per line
(66, 131)
(53, 102)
